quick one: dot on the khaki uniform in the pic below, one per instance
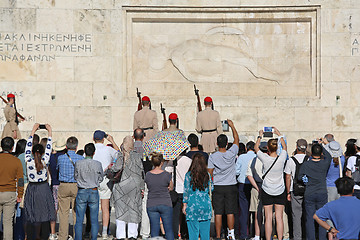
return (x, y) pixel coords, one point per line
(172, 128)
(146, 118)
(208, 119)
(10, 126)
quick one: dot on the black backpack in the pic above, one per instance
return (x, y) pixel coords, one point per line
(356, 174)
(298, 185)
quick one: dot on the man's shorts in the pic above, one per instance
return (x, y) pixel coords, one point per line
(104, 190)
(225, 199)
(254, 200)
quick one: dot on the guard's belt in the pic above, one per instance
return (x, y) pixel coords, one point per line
(212, 130)
(147, 128)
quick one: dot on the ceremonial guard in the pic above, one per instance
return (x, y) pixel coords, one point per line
(209, 125)
(174, 123)
(146, 119)
(11, 128)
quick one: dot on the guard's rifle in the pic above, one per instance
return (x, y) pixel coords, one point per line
(17, 114)
(198, 98)
(138, 94)
(164, 124)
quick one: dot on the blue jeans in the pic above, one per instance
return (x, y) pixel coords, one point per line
(313, 203)
(165, 212)
(199, 227)
(87, 197)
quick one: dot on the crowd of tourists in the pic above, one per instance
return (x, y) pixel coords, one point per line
(259, 189)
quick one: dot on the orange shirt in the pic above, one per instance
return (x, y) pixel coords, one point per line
(11, 174)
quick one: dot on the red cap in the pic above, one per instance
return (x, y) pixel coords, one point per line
(173, 116)
(10, 95)
(208, 99)
(146, 98)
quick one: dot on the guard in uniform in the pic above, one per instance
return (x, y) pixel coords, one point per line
(11, 128)
(209, 125)
(174, 123)
(146, 119)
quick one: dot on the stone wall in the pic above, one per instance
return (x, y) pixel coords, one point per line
(76, 64)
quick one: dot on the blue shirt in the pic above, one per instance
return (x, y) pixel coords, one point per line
(242, 164)
(334, 173)
(223, 164)
(198, 202)
(66, 168)
(53, 168)
(345, 214)
(22, 159)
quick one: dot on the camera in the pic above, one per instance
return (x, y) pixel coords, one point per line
(268, 132)
(225, 125)
(42, 126)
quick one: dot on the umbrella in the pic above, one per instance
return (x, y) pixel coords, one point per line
(169, 143)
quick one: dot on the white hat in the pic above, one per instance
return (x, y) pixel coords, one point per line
(335, 149)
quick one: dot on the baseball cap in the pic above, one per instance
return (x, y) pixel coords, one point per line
(301, 144)
(99, 135)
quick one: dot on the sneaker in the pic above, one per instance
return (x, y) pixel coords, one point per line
(53, 237)
(104, 236)
(70, 237)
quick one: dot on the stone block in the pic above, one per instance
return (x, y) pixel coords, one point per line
(54, 20)
(60, 118)
(93, 69)
(89, 119)
(92, 21)
(313, 119)
(74, 94)
(62, 69)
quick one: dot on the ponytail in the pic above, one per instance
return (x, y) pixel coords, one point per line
(38, 151)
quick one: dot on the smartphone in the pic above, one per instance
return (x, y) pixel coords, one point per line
(315, 141)
(42, 126)
(268, 132)
(225, 125)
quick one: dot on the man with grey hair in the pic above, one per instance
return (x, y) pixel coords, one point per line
(68, 188)
(291, 170)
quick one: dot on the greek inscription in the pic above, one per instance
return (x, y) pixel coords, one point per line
(37, 47)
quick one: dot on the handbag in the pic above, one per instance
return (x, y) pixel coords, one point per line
(173, 194)
(115, 176)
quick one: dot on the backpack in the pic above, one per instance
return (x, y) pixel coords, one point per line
(356, 174)
(298, 185)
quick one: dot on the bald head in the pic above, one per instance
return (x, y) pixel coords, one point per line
(139, 134)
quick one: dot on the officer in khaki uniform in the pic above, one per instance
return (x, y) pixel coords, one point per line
(11, 128)
(209, 125)
(146, 119)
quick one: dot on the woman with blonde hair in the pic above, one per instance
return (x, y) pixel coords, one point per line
(127, 193)
(273, 187)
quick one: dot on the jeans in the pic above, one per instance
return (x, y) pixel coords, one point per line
(313, 203)
(165, 212)
(199, 227)
(87, 197)
(244, 199)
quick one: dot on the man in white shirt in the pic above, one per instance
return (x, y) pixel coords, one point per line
(296, 201)
(106, 155)
(351, 167)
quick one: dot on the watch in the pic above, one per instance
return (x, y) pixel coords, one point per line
(329, 230)
(259, 137)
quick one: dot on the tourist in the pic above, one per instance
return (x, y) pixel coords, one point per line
(88, 175)
(39, 202)
(221, 166)
(11, 185)
(194, 147)
(127, 193)
(106, 156)
(291, 170)
(159, 202)
(351, 168)
(244, 185)
(313, 173)
(68, 187)
(197, 202)
(344, 212)
(273, 188)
